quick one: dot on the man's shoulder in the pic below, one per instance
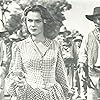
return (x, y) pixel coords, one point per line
(20, 42)
(91, 34)
(57, 43)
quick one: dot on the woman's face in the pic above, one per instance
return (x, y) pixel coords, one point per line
(34, 23)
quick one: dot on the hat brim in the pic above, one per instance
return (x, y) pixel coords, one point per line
(69, 37)
(77, 39)
(91, 17)
(1, 33)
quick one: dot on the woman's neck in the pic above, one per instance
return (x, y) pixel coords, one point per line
(38, 38)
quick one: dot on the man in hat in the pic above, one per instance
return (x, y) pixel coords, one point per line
(68, 59)
(5, 56)
(76, 47)
(62, 34)
(89, 59)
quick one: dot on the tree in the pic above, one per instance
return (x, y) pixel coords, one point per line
(56, 7)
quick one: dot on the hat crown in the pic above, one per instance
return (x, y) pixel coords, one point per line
(96, 11)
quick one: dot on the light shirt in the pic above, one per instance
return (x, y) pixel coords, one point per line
(98, 59)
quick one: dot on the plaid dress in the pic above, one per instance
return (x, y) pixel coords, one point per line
(43, 70)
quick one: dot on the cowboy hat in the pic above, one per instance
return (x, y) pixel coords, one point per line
(96, 12)
(63, 28)
(69, 37)
(14, 36)
(78, 38)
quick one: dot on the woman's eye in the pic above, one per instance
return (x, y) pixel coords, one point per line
(29, 20)
(38, 21)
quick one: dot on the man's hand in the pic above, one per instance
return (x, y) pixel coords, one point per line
(81, 67)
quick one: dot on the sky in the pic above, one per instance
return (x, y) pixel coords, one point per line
(75, 18)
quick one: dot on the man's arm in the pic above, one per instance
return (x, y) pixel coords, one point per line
(83, 52)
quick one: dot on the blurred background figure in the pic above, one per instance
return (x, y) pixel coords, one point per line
(76, 47)
(60, 36)
(68, 58)
(63, 32)
(67, 45)
(78, 41)
(5, 56)
(71, 45)
(10, 23)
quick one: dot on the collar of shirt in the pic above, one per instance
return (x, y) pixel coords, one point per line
(96, 30)
(97, 34)
(46, 42)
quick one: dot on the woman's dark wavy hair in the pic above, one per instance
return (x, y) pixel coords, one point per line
(49, 25)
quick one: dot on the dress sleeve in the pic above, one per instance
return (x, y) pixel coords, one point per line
(15, 70)
(60, 73)
(16, 62)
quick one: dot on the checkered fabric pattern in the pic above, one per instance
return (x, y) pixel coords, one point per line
(60, 73)
(31, 94)
(43, 82)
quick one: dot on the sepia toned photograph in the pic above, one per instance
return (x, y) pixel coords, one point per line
(49, 49)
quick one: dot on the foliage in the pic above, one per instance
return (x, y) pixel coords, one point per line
(55, 7)
(13, 22)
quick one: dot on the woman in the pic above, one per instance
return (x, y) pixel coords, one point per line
(37, 67)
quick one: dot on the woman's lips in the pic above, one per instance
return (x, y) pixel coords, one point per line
(33, 29)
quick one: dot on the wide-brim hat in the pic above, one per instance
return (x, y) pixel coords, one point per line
(78, 38)
(96, 12)
(14, 37)
(69, 37)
